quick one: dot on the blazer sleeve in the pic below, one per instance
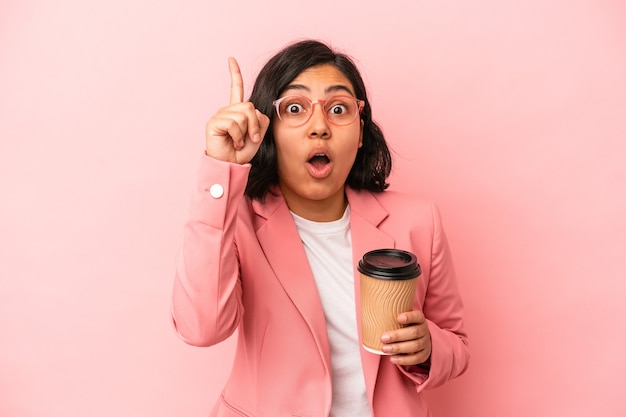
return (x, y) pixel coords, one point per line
(206, 300)
(443, 309)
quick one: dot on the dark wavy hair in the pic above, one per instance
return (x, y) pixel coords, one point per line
(372, 165)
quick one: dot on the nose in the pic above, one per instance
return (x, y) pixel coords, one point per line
(318, 125)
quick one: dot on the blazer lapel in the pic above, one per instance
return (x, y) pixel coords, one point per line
(279, 238)
(276, 233)
(366, 214)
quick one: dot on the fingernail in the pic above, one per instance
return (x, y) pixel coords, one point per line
(385, 338)
(256, 138)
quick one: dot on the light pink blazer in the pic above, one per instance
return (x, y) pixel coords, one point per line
(243, 267)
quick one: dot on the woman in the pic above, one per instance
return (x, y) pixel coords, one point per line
(291, 194)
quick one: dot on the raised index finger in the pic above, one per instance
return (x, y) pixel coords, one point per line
(236, 81)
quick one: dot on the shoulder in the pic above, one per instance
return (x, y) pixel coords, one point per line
(397, 206)
(399, 198)
(395, 201)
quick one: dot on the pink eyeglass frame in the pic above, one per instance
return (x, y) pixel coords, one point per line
(360, 104)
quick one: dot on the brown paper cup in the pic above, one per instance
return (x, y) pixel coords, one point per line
(388, 282)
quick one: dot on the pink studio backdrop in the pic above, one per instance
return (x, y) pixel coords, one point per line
(511, 116)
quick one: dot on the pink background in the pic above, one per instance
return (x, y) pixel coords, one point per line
(511, 116)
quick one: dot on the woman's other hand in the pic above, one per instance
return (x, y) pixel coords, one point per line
(410, 345)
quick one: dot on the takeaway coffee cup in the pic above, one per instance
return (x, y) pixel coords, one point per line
(388, 281)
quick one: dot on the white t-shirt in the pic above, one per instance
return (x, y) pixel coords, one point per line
(328, 246)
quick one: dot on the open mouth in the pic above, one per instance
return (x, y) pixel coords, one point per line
(319, 160)
(320, 165)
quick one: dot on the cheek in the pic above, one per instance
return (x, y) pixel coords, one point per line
(347, 155)
(354, 140)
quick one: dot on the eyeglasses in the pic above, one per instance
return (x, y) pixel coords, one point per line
(297, 110)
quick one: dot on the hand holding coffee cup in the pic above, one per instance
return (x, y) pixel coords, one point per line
(410, 345)
(388, 282)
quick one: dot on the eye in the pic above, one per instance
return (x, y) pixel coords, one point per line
(294, 108)
(338, 109)
(339, 106)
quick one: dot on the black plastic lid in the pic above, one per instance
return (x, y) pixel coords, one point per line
(390, 264)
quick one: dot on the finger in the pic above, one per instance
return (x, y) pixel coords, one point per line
(407, 347)
(228, 129)
(411, 359)
(411, 317)
(257, 129)
(236, 81)
(406, 334)
(252, 122)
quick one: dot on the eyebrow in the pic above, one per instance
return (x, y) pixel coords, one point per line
(331, 89)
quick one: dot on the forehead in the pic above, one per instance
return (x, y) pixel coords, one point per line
(322, 76)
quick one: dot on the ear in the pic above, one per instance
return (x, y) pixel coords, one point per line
(361, 134)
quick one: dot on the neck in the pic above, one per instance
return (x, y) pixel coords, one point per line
(326, 210)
